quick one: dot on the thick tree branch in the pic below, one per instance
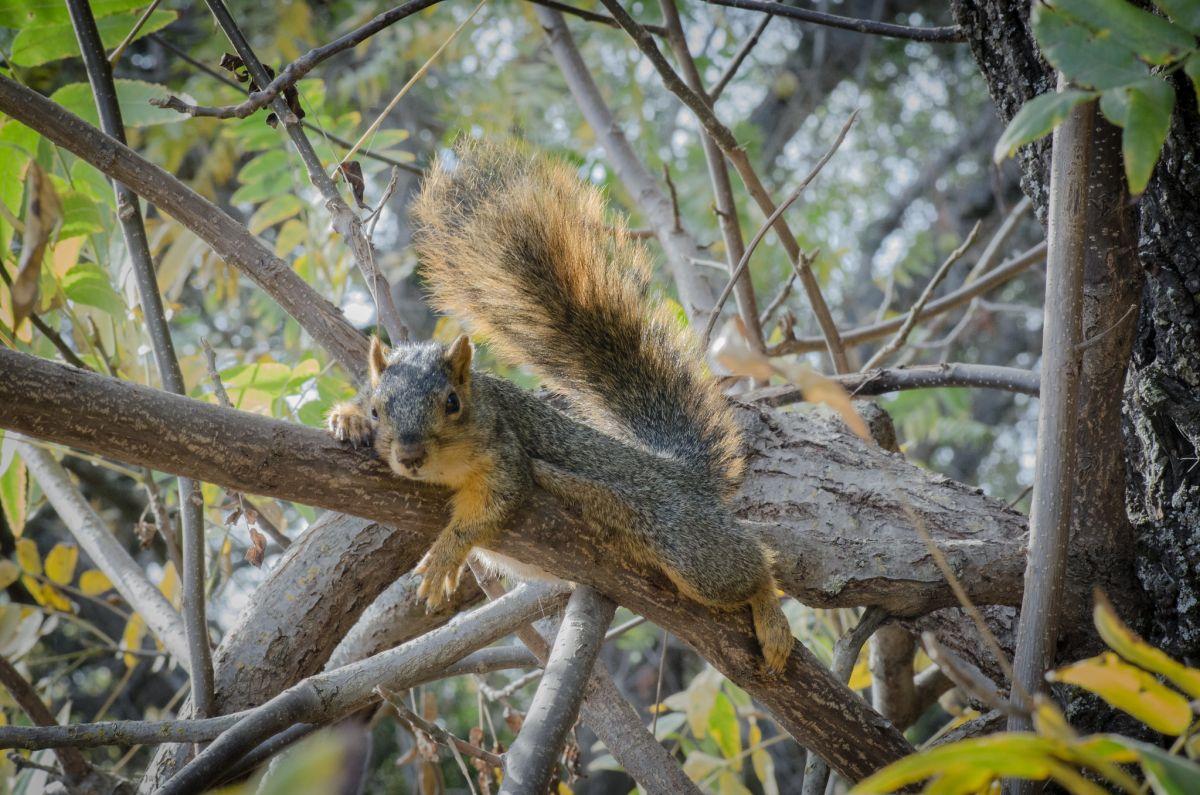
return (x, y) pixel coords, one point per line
(949, 34)
(260, 455)
(532, 758)
(228, 238)
(129, 212)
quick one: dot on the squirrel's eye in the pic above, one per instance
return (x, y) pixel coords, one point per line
(374, 414)
(452, 404)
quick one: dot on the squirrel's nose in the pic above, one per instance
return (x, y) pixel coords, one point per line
(410, 454)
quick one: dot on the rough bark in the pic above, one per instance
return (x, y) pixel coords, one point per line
(1103, 538)
(260, 455)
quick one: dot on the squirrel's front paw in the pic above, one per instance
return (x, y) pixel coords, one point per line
(440, 571)
(349, 423)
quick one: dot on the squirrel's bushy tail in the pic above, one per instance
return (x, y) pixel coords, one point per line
(520, 249)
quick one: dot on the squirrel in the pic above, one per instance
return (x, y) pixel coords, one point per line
(519, 249)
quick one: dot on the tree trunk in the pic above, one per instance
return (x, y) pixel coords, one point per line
(1146, 540)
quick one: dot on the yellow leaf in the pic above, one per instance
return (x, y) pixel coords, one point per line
(978, 760)
(860, 677)
(131, 638)
(9, 572)
(60, 563)
(93, 582)
(28, 557)
(170, 583)
(1049, 722)
(1126, 643)
(35, 589)
(1129, 689)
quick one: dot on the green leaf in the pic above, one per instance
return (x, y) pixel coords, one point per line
(266, 165)
(316, 767)
(81, 216)
(1129, 689)
(724, 728)
(1147, 123)
(290, 235)
(134, 97)
(1191, 68)
(1185, 13)
(1036, 118)
(1087, 57)
(274, 210)
(14, 488)
(43, 43)
(88, 283)
(1166, 773)
(19, 13)
(1123, 24)
(1024, 756)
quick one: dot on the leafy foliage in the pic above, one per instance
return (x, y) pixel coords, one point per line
(1125, 54)
(1128, 679)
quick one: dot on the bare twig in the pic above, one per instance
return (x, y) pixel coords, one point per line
(680, 247)
(327, 696)
(69, 356)
(959, 297)
(1054, 479)
(718, 172)
(901, 336)
(216, 75)
(105, 551)
(897, 379)
(845, 655)
(780, 297)
(133, 32)
(949, 34)
(592, 16)
(735, 64)
(344, 220)
(533, 756)
(129, 211)
(965, 675)
(724, 138)
(437, 732)
(73, 764)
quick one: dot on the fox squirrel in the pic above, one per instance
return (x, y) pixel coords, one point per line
(520, 250)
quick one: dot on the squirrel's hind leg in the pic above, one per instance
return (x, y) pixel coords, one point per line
(771, 628)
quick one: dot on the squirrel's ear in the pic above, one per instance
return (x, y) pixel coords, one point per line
(377, 360)
(458, 356)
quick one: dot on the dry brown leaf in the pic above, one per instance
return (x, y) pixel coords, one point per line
(43, 211)
(257, 549)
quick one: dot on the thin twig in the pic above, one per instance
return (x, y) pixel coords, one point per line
(73, 763)
(780, 297)
(129, 212)
(57, 341)
(592, 16)
(863, 334)
(1092, 340)
(405, 88)
(216, 75)
(914, 313)
(743, 52)
(417, 723)
(343, 220)
(129, 37)
(947, 34)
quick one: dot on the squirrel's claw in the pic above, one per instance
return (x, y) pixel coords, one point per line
(349, 423)
(440, 573)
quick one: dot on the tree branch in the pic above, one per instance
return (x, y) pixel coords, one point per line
(1054, 480)
(724, 138)
(73, 764)
(738, 59)
(129, 212)
(328, 696)
(417, 723)
(533, 756)
(948, 34)
(898, 379)
(106, 552)
(963, 295)
(678, 245)
(260, 455)
(227, 237)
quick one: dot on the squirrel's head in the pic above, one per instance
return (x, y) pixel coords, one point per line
(420, 403)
